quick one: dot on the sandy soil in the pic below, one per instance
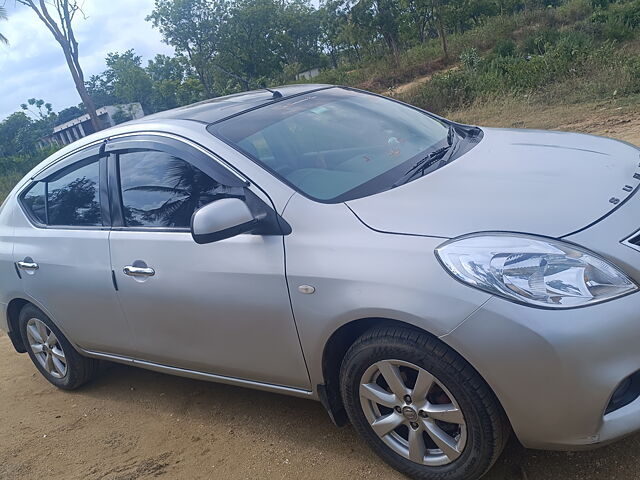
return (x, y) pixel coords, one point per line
(134, 424)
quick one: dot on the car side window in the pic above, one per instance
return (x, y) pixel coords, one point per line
(34, 201)
(161, 190)
(69, 198)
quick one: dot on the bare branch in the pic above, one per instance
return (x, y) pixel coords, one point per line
(62, 31)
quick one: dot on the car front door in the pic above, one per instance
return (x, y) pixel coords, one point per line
(220, 308)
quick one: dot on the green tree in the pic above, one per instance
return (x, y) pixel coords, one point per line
(131, 83)
(192, 27)
(13, 130)
(69, 113)
(381, 17)
(124, 81)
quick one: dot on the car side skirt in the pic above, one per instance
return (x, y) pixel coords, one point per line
(197, 375)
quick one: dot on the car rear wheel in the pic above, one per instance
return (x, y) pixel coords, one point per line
(51, 352)
(422, 407)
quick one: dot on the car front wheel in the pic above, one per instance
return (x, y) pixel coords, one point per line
(51, 352)
(422, 407)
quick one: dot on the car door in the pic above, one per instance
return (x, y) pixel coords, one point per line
(220, 308)
(61, 251)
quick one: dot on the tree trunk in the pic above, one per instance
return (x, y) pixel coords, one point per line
(443, 37)
(334, 58)
(65, 36)
(78, 80)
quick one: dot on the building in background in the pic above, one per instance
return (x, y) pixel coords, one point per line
(308, 74)
(79, 127)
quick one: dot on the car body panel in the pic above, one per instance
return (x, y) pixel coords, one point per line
(359, 274)
(547, 183)
(554, 371)
(10, 287)
(73, 283)
(221, 308)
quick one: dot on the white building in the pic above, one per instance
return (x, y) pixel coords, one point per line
(81, 127)
(308, 74)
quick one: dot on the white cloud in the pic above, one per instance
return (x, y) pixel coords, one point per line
(33, 64)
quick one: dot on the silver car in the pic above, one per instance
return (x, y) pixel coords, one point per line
(437, 285)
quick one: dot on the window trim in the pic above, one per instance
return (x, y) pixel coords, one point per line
(116, 204)
(69, 163)
(106, 148)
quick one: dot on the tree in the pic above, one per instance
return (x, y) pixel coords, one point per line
(39, 113)
(69, 113)
(131, 83)
(3, 16)
(192, 28)
(12, 131)
(62, 30)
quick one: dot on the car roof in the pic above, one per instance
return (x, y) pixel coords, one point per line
(215, 109)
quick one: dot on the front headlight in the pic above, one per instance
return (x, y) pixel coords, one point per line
(533, 270)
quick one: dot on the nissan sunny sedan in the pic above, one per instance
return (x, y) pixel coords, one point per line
(437, 285)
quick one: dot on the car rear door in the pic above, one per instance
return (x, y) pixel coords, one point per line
(61, 250)
(221, 308)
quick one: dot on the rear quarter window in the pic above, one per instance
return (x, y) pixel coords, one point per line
(34, 202)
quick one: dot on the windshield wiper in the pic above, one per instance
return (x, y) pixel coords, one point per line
(427, 162)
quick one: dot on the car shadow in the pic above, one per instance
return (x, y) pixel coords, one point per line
(305, 424)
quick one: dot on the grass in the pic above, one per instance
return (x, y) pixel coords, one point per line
(12, 169)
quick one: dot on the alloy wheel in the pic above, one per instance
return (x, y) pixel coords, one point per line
(413, 413)
(46, 348)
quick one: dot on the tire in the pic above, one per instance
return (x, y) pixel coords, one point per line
(56, 359)
(477, 428)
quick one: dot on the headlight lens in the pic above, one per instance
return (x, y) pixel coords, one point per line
(534, 270)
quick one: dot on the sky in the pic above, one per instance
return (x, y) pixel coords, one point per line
(33, 65)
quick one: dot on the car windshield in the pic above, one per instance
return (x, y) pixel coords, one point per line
(335, 144)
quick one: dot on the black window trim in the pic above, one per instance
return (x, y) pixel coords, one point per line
(207, 163)
(111, 204)
(116, 204)
(90, 154)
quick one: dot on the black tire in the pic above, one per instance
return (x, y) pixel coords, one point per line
(487, 426)
(79, 369)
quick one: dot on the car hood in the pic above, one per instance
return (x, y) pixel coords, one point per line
(540, 182)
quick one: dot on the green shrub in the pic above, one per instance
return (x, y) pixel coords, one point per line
(470, 58)
(633, 72)
(505, 48)
(13, 168)
(619, 22)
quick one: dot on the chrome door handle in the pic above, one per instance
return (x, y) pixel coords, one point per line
(138, 271)
(28, 266)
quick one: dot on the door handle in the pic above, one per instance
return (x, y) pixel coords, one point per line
(28, 266)
(138, 271)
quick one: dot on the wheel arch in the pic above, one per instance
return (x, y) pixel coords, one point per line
(333, 353)
(13, 314)
(336, 348)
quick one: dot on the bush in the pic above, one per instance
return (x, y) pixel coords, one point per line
(470, 58)
(505, 48)
(619, 22)
(633, 71)
(15, 167)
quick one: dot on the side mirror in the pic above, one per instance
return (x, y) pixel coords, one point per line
(222, 219)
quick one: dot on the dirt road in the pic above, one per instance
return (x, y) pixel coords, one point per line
(133, 424)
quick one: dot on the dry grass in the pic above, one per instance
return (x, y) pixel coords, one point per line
(614, 118)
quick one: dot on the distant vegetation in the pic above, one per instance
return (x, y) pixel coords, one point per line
(473, 51)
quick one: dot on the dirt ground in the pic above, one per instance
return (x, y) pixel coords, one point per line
(134, 424)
